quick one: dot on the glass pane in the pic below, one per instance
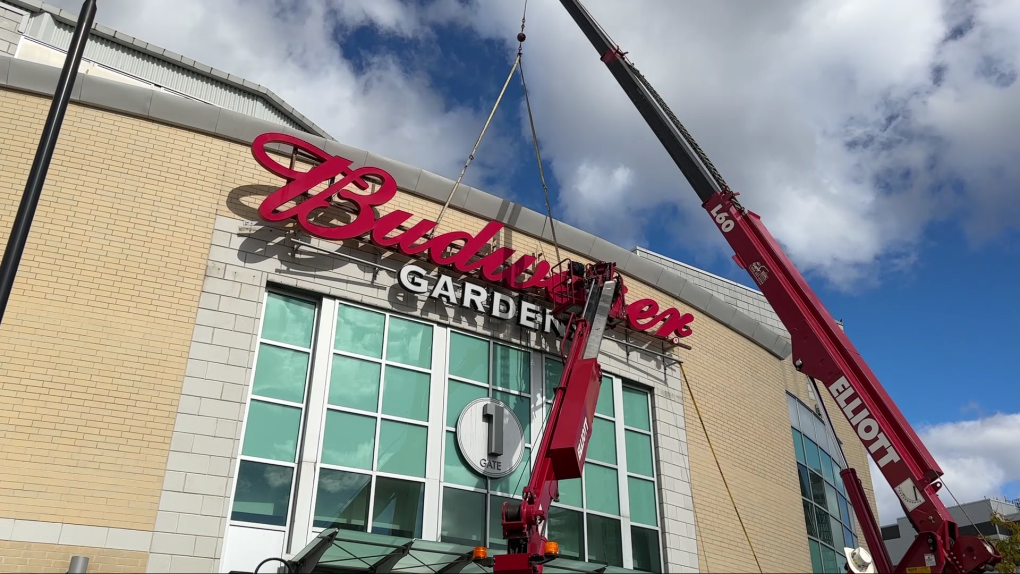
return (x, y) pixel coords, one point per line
(359, 331)
(288, 320)
(341, 500)
(645, 545)
(838, 479)
(605, 542)
(263, 493)
(521, 406)
(469, 358)
(280, 373)
(570, 492)
(816, 557)
(272, 431)
(406, 394)
(511, 369)
(602, 445)
(410, 343)
(458, 395)
(639, 453)
(399, 505)
(402, 448)
(456, 470)
(348, 440)
(791, 404)
(602, 489)
(354, 383)
(635, 409)
(798, 446)
(566, 528)
(809, 519)
(514, 483)
(830, 499)
(553, 372)
(848, 538)
(642, 501)
(826, 467)
(496, 540)
(844, 510)
(604, 406)
(824, 525)
(805, 482)
(829, 560)
(837, 532)
(813, 461)
(463, 517)
(817, 489)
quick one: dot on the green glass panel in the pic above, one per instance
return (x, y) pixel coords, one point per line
(602, 445)
(811, 450)
(410, 343)
(566, 528)
(826, 461)
(645, 549)
(635, 409)
(406, 394)
(837, 532)
(288, 320)
(455, 467)
(280, 373)
(798, 446)
(832, 501)
(602, 491)
(521, 406)
(354, 383)
(458, 395)
(469, 358)
(605, 541)
(262, 494)
(348, 440)
(359, 331)
(570, 492)
(271, 431)
(511, 369)
(463, 517)
(805, 481)
(402, 448)
(848, 538)
(817, 489)
(398, 508)
(496, 540)
(341, 500)
(829, 560)
(839, 479)
(816, 557)
(824, 525)
(809, 519)
(512, 484)
(604, 406)
(639, 453)
(642, 501)
(553, 372)
(844, 511)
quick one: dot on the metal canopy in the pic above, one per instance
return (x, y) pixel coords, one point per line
(342, 551)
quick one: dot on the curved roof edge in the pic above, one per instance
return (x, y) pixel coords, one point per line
(97, 92)
(36, 7)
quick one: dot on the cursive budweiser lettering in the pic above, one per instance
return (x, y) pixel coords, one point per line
(384, 231)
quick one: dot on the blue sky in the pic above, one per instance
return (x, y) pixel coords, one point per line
(878, 141)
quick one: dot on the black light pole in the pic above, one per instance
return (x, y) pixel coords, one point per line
(43, 155)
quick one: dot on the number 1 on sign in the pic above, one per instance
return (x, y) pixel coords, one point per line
(722, 218)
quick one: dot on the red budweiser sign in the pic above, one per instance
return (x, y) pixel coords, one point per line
(642, 315)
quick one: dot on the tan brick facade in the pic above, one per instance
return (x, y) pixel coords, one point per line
(97, 335)
(32, 557)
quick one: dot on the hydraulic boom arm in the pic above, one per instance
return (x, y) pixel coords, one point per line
(820, 348)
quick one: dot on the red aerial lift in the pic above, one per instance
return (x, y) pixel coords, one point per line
(593, 294)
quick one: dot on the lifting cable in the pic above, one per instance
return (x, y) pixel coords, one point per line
(518, 63)
(733, 501)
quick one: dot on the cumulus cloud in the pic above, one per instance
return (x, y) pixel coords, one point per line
(979, 458)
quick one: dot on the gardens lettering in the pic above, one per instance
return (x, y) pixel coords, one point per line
(642, 315)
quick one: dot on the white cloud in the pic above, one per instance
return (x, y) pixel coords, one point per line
(979, 458)
(824, 115)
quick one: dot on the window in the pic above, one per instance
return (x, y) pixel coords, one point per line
(362, 404)
(828, 515)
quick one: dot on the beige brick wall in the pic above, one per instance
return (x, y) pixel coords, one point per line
(97, 334)
(28, 557)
